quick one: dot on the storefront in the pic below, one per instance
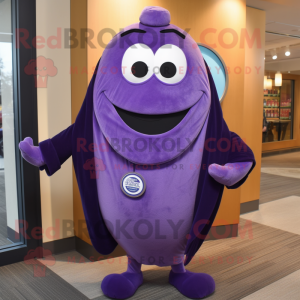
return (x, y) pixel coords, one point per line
(280, 111)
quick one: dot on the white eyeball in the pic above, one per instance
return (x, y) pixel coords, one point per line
(170, 64)
(137, 63)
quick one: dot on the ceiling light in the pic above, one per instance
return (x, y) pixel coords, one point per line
(274, 54)
(278, 79)
(287, 51)
(269, 84)
(265, 82)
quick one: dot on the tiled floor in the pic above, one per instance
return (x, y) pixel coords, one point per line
(285, 288)
(282, 214)
(274, 187)
(286, 172)
(17, 281)
(262, 263)
(289, 160)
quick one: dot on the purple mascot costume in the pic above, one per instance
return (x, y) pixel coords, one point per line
(152, 154)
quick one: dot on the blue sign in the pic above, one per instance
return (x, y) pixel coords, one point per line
(217, 69)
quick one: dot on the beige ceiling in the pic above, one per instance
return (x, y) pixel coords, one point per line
(282, 16)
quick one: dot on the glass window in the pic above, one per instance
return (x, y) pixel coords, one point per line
(9, 206)
(278, 102)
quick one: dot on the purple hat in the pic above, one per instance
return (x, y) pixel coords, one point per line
(155, 16)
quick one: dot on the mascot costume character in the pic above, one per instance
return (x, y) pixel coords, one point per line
(152, 154)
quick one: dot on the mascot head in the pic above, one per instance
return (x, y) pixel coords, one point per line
(152, 79)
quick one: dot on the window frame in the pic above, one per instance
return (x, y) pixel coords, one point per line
(26, 124)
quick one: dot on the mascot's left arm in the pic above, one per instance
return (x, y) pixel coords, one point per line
(235, 172)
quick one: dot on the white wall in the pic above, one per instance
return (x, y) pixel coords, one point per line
(54, 115)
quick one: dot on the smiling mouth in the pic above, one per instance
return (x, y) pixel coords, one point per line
(151, 124)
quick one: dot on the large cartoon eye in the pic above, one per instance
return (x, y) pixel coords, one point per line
(170, 64)
(137, 63)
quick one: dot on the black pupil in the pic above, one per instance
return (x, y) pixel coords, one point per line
(168, 70)
(139, 69)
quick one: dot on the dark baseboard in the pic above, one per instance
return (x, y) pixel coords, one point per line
(60, 246)
(277, 152)
(222, 232)
(89, 252)
(13, 235)
(249, 206)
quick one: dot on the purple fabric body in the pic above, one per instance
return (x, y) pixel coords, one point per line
(151, 97)
(169, 185)
(149, 221)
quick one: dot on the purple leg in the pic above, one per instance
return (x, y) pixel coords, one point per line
(122, 286)
(189, 284)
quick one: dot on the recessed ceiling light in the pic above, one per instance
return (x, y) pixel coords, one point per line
(287, 51)
(274, 56)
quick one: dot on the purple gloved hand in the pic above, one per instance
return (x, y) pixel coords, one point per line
(31, 153)
(229, 174)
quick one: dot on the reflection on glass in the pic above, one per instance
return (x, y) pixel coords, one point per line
(8, 183)
(278, 112)
(217, 70)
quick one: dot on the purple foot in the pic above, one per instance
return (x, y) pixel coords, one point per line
(121, 286)
(192, 285)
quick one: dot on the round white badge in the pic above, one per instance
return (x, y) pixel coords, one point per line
(133, 184)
